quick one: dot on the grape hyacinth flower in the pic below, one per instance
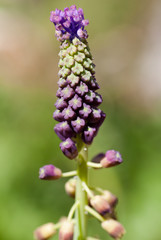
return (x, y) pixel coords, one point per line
(79, 118)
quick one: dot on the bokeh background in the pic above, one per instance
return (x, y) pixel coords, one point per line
(125, 39)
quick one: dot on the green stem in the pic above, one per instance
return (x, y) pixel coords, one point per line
(69, 174)
(80, 232)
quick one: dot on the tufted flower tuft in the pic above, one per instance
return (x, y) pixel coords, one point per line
(69, 23)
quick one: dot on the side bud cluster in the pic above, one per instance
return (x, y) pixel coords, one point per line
(77, 106)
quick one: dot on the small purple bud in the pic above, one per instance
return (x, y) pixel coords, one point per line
(69, 148)
(94, 85)
(49, 172)
(89, 97)
(73, 7)
(82, 33)
(73, 80)
(60, 104)
(75, 102)
(58, 116)
(88, 135)
(58, 93)
(95, 115)
(112, 158)
(100, 205)
(63, 130)
(67, 24)
(68, 113)
(45, 231)
(85, 22)
(84, 113)
(81, 89)
(97, 100)
(62, 82)
(67, 93)
(114, 228)
(78, 125)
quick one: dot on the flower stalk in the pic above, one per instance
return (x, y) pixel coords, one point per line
(81, 195)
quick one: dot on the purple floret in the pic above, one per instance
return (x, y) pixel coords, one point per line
(69, 148)
(58, 93)
(84, 113)
(88, 135)
(68, 113)
(69, 23)
(67, 93)
(81, 89)
(61, 104)
(78, 125)
(75, 102)
(97, 100)
(58, 116)
(49, 172)
(112, 158)
(62, 82)
(95, 115)
(90, 96)
(63, 130)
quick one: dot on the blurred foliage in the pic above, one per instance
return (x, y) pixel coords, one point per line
(27, 142)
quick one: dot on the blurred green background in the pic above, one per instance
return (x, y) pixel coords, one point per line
(125, 39)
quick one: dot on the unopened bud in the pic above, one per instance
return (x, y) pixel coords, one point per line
(70, 187)
(44, 232)
(112, 158)
(100, 205)
(66, 231)
(110, 198)
(114, 228)
(49, 172)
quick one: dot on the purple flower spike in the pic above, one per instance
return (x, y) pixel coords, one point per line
(81, 89)
(78, 125)
(75, 102)
(88, 135)
(84, 113)
(63, 130)
(112, 158)
(69, 149)
(60, 104)
(49, 172)
(68, 113)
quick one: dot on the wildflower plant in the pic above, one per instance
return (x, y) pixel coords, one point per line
(79, 119)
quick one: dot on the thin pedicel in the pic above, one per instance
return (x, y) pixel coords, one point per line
(79, 117)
